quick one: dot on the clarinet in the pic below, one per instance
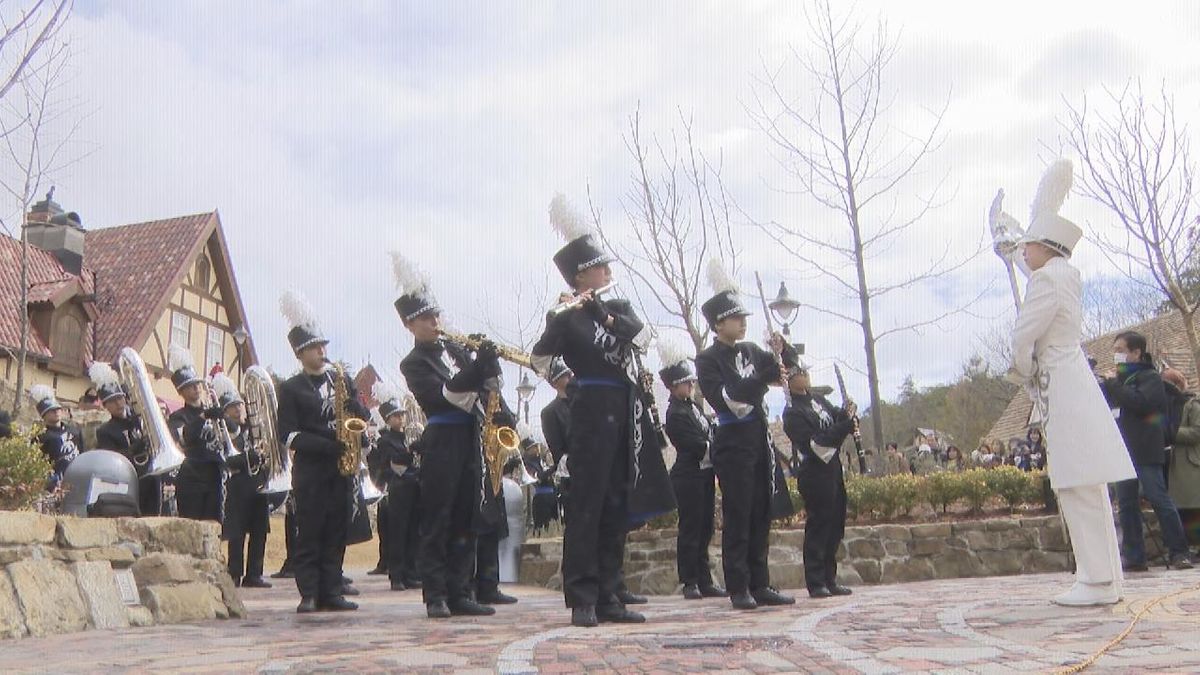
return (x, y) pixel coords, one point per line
(646, 381)
(857, 433)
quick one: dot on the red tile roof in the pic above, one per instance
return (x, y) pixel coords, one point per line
(137, 267)
(46, 278)
(364, 381)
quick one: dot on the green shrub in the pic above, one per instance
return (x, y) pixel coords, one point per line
(903, 492)
(941, 489)
(23, 473)
(1010, 484)
(975, 489)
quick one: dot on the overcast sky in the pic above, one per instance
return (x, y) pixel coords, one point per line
(328, 133)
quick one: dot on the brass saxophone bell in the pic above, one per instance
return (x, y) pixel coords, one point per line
(507, 438)
(355, 425)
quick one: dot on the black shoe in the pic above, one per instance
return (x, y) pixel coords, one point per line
(338, 604)
(497, 598)
(714, 591)
(743, 600)
(255, 582)
(346, 581)
(468, 607)
(306, 606)
(437, 610)
(1134, 567)
(692, 592)
(628, 598)
(1179, 562)
(819, 592)
(584, 617)
(618, 614)
(772, 598)
(349, 590)
(284, 573)
(399, 586)
(838, 589)
(379, 569)
(412, 583)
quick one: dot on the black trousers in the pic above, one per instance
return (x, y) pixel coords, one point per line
(149, 496)
(246, 515)
(322, 517)
(824, 491)
(597, 511)
(487, 563)
(381, 527)
(198, 501)
(289, 534)
(451, 484)
(695, 494)
(741, 459)
(403, 528)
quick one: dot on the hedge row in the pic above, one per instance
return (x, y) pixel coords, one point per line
(889, 496)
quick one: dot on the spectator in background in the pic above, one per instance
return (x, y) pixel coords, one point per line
(1037, 449)
(1184, 468)
(984, 455)
(954, 459)
(5, 425)
(923, 460)
(893, 460)
(89, 400)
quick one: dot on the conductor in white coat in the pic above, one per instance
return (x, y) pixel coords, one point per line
(1084, 446)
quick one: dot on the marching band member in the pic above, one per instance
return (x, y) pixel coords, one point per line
(402, 478)
(198, 484)
(556, 426)
(817, 430)
(446, 382)
(123, 433)
(734, 377)
(1086, 451)
(246, 509)
(692, 474)
(323, 496)
(596, 341)
(61, 443)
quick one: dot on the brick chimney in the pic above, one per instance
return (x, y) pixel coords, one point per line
(62, 234)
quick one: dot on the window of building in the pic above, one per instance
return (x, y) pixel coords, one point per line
(203, 274)
(68, 340)
(181, 330)
(214, 349)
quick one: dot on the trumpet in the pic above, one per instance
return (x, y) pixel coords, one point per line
(510, 354)
(578, 299)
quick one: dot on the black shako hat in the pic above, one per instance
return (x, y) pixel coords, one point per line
(722, 306)
(578, 255)
(677, 373)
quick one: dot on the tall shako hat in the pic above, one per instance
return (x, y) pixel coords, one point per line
(558, 368)
(43, 398)
(108, 383)
(526, 435)
(226, 391)
(727, 301)
(415, 298)
(183, 369)
(1045, 225)
(582, 250)
(300, 316)
(676, 367)
(389, 399)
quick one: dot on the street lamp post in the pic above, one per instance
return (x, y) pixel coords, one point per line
(525, 392)
(239, 338)
(784, 308)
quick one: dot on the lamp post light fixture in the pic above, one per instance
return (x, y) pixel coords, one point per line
(239, 338)
(784, 308)
(525, 392)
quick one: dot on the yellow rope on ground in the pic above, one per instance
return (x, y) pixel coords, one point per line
(1083, 665)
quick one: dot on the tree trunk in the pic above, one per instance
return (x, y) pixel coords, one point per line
(1189, 329)
(23, 351)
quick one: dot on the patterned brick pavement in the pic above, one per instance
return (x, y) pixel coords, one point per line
(999, 625)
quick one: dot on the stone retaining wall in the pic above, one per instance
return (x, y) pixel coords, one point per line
(60, 574)
(868, 554)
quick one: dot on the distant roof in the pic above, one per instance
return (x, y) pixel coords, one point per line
(47, 280)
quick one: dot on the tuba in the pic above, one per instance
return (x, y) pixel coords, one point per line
(269, 463)
(163, 454)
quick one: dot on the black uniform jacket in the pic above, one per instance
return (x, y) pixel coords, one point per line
(689, 431)
(804, 425)
(124, 435)
(307, 420)
(61, 444)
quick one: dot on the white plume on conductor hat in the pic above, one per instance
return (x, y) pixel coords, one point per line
(566, 220)
(102, 374)
(671, 353)
(178, 358)
(298, 312)
(1045, 225)
(718, 278)
(41, 392)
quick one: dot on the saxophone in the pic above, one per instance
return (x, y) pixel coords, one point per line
(510, 354)
(349, 429)
(498, 442)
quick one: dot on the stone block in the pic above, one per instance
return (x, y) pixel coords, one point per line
(192, 601)
(537, 571)
(864, 548)
(998, 563)
(848, 576)
(860, 532)
(1038, 521)
(67, 555)
(86, 532)
(197, 538)
(657, 580)
(898, 548)
(117, 556)
(163, 568)
(912, 569)
(868, 570)
(978, 540)
(787, 539)
(25, 527)
(49, 597)
(1045, 561)
(100, 594)
(955, 563)
(1001, 524)
(12, 623)
(11, 554)
(894, 532)
(139, 616)
(967, 526)
(920, 547)
(790, 575)
(928, 530)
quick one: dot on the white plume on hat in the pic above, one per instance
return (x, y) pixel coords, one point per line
(297, 311)
(410, 280)
(103, 375)
(671, 353)
(383, 392)
(222, 385)
(523, 431)
(178, 357)
(41, 392)
(377, 418)
(567, 221)
(719, 279)
(1052, 189)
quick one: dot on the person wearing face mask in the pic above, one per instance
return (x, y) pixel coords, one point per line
(1138, 400)
(1086, 451)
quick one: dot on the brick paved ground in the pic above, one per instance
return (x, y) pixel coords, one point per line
(957, 626)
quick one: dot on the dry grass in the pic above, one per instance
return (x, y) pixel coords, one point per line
(358, 557)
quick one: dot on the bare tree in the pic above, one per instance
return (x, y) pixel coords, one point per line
(34, 129)
(1136, 161)
(678, 211)
(1114, 303)
(841, 151)
(528, 299)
